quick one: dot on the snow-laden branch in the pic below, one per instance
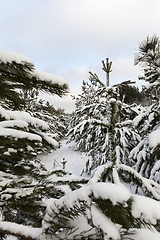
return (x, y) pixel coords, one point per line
(23, 116)
(54, 79)
(146, 184)
(154, 138)
(19, 134)
(19, 230)
(8, 57)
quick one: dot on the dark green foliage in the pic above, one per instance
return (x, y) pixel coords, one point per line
(118, 213)
(132, 94)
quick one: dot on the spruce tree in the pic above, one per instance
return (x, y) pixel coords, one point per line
(102, 124)
(145, 154)
(24, 132)
(27, 128)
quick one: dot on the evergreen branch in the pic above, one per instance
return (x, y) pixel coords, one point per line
(19, 230)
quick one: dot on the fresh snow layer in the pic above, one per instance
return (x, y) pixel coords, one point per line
(19, 134)
(75, 159)
(8, 57)
(14, 123)
(23, 116)
(50, 140)
(113, 192)
(108, 227)
(22, 120)
(26, 231)
(144, 234)
(154, 138)
(49, 77)
(17, 115)
(146, 208)
(143, 207)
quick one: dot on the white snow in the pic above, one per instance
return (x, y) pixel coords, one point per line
(23, 116)
(146, 208)
(22, 120)
(43, 76)
(108, 227)
(23, 230)
(50, 140)
(75, 160)
(19, 134)
(17, 115)
(144, 234)
(112, 100)
(155, 172)
(143, 207)
(8, 57)
(154, 138)
(14, 123)
(116, 193)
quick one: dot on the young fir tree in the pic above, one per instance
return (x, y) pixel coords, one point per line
(146, 154)
(102, 124)
(101, 209)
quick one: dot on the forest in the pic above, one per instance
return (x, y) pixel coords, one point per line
(116, 196)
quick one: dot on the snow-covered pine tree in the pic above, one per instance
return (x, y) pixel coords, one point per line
(102, 124)
(92, 93)
(22, 134)
(146, 153)
(25, 132)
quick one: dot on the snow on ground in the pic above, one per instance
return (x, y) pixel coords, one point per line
(75, 159)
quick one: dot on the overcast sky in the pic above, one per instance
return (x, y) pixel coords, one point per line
(69, 38)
